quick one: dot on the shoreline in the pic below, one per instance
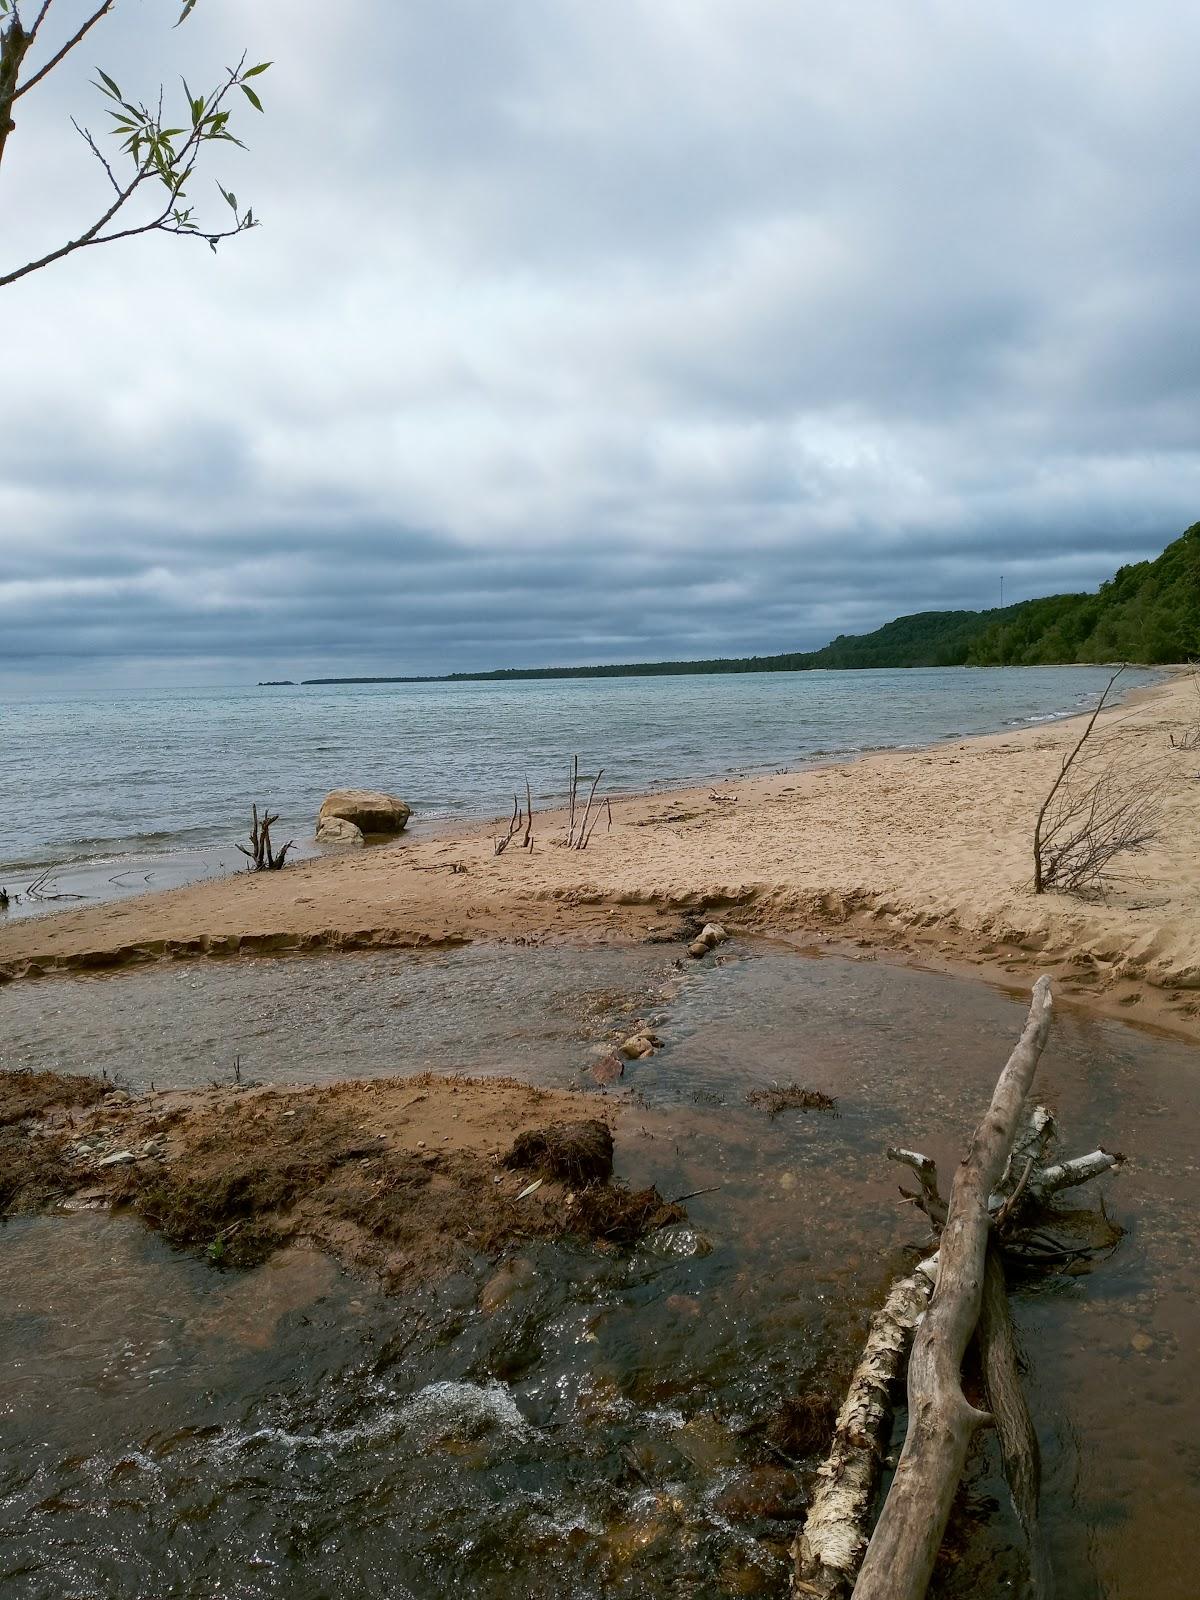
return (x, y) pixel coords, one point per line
(919, 855)
(84, 880)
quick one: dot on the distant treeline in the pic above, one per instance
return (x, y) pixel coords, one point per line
(1148, 613)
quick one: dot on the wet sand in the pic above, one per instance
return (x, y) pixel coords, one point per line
(922, 853)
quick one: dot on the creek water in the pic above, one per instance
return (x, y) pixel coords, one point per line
(593, 1424)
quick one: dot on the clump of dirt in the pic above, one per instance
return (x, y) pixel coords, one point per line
(790, 1097)
(577, 1152)
(802, 1425)
(619, 1215)
(24, 1095)
(35, 1170)
(37, 1166)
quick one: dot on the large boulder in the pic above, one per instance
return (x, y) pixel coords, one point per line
(368, 811)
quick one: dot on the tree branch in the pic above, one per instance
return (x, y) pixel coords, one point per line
(174, 173)
(96, 16)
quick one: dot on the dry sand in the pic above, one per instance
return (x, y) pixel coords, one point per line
(923, 853)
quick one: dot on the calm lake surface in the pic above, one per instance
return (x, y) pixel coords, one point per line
(127, 791)
(167, 1427)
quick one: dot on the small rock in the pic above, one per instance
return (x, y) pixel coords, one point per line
(503, 1284)
(1142, 1342)
(677, 1241)
(119, 1158)
(340, 831)
(637, 1046)
(762, 1492)
(608, 1069)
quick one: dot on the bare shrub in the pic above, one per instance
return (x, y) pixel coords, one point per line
(1099, 806)
(522, 818)
(1094, 818)
(1189, 736)
(578, 832)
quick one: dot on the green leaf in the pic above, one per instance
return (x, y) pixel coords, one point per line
(108, 85)
(252, 97)
(188, 7)
(254, 71)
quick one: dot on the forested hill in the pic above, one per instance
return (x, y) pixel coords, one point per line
(1149, 612)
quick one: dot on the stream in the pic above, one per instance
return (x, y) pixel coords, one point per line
(579, 1421)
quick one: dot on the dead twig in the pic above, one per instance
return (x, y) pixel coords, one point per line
(1089, 817)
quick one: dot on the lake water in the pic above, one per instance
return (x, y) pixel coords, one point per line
(126, 791)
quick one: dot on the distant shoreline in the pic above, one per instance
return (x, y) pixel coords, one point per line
(731, 667)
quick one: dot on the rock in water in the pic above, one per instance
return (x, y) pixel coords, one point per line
(757, 1492)
(608, 1069)
(338, 831)
(368, 810)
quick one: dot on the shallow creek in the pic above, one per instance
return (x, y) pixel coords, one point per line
(581, 1423)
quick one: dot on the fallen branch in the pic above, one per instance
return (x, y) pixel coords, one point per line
(941, 1421)
(998, 1193)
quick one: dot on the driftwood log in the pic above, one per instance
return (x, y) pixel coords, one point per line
(1005, 1177)
(261, 852)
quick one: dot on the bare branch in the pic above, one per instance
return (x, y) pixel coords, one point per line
(1068, 762)
(100, 12)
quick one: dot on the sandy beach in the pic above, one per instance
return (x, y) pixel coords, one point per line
(924, 854)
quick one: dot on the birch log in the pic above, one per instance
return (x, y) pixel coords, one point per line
(941, 1422)
(836, 1530)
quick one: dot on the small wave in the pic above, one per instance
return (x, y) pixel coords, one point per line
(434, 1413)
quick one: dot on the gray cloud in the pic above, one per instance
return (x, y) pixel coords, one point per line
(613, 332)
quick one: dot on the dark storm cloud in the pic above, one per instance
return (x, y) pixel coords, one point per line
(604, 332)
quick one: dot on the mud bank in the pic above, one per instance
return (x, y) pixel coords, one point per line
(405, 1179)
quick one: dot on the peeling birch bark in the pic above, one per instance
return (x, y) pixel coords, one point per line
(1067, 1174)
(830, 1546)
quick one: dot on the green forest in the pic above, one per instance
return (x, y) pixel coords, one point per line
(1147, 613)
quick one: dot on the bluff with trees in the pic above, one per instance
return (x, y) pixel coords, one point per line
(1147, 613)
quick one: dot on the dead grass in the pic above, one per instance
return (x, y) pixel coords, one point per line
(35, 1170)
(790, 1097)
(24, 1095)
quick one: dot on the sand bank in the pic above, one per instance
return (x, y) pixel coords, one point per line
(923, 853)
(404, 1177)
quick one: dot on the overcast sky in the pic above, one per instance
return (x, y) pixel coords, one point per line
(585, 331)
